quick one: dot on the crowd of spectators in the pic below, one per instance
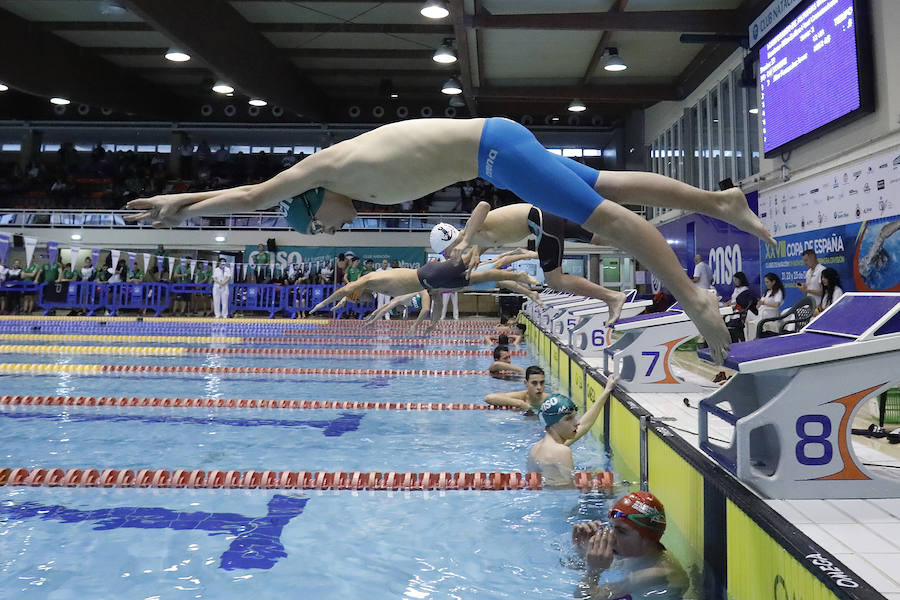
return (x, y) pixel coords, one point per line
(103, 179)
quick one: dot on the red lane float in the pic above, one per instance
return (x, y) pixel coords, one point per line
(319, 480)
(239, 403)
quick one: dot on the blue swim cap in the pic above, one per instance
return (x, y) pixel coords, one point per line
(554, 408)
(300, 210)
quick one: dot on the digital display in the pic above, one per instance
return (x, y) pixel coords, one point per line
(809, 74)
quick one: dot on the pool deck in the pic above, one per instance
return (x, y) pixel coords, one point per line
(864, 534)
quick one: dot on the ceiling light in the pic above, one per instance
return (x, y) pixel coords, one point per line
(457, 101)
(445, 54)
(395, 95)
(176, 55)
(452, 86)
(256, 102)
(222, 88)
(76, 236)
(554, 118)
(220, 238)
(60, 101)
(3, 87)
(612, 61)
(111, 8)
(435, 9)
(754, 111)
(577, 105)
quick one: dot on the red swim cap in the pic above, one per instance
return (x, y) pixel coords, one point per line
(644, 512)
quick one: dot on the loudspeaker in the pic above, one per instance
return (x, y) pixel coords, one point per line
(271, 246)
(531, 245)
(18, 241)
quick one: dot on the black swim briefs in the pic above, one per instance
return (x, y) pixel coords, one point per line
(552, 232)
(449, 274)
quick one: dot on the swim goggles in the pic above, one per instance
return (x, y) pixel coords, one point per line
(315, 225)
(637, 519)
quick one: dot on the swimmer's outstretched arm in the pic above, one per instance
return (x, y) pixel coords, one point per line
(316, 170)
(426, 306)
(488, 275)
(512, 399)
(339, 294)
(473, 226)
(587, 419)
(377, 314)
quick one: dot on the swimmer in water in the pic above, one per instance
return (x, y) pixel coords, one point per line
(529, 399)
(552, 456)
(503, 363)
(877, 257)
(624, 557)
(410, 159)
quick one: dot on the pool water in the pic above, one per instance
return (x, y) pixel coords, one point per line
(61, 543)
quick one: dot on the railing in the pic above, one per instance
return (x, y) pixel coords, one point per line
(114, 219)
(93, 296)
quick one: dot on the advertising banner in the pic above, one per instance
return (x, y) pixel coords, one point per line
(287, 255)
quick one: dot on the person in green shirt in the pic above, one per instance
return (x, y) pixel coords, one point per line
(30, 273)
(51, 272)
(68, 273)
(369, 267)
(103, 275)
(136, 275)
(353, 272)
(180, 275)
(201, 304)
(261, 263)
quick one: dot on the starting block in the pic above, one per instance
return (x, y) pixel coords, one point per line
(642, 357)
(554, 310)
(550, 301)
(532, 308)
(564, 321)
(791, 404)
(590, 335)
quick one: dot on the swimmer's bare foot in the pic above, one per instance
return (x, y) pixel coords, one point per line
(733, 209)
(537, 298)
(703, 309)
(525, 278)
(615, 306)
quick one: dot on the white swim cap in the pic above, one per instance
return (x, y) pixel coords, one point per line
(442, 235)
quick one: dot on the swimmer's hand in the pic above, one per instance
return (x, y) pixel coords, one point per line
(600, 549)
(161, 211)
(582, 533)
(339, 304)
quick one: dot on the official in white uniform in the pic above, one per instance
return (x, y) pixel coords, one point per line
(221, 286)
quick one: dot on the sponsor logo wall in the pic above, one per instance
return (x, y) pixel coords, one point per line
(849, 216)
(320, 255)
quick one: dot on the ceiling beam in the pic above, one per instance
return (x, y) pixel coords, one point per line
(696, 21)
(382, 53)
(235, 51)
(618, 6)
(463, 56)
(44, 64)
(710, 58)
(341, 27)
(605, 93)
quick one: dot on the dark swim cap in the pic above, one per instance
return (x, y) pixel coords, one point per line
(554, 408)
(300, 210)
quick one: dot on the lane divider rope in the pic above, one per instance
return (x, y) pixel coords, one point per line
(170, 350)
(296, 341)
(238, 403)
(309, 480)
(62, 337)
(142, 369)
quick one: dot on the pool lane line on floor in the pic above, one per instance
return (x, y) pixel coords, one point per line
(312, 480)
(178, 351)
(238, 403)
(41, 368)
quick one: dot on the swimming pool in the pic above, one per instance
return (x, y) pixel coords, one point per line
(219, 543)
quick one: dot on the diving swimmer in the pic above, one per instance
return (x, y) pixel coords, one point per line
(407, 160)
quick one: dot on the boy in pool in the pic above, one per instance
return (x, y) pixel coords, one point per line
(408, 160)
(624, 557)
(503, 363)
(552, 456)
(529, 399)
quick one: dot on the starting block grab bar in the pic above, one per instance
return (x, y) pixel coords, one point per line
(791, 405)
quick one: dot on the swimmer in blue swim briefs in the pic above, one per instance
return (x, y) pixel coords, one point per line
(410, 159)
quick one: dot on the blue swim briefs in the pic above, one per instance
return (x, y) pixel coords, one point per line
(510, 157)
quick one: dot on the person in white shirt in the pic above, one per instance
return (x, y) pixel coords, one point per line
(740, 285)
(702, 273)
(221, 284)
(831, 289)
(383, 299)
(88, 272)
(768, 306)
(812, 286)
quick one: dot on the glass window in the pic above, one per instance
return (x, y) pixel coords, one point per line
(703, 144)
(281, 149)
(109, 147)
(11, 148)
(147, 148)
(573, 265)
(572, 152)
(556, 151)
(125, 147)
(592, 152)
(715, 139)
(164, 148)
(677, 163)
(753, 131)
(83, 147)
(739, 112)
(266, 149)
(726, 100)
(236, 149)
(694, 149)
(305, 149)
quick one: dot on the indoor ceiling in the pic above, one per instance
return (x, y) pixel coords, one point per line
(318, 60)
